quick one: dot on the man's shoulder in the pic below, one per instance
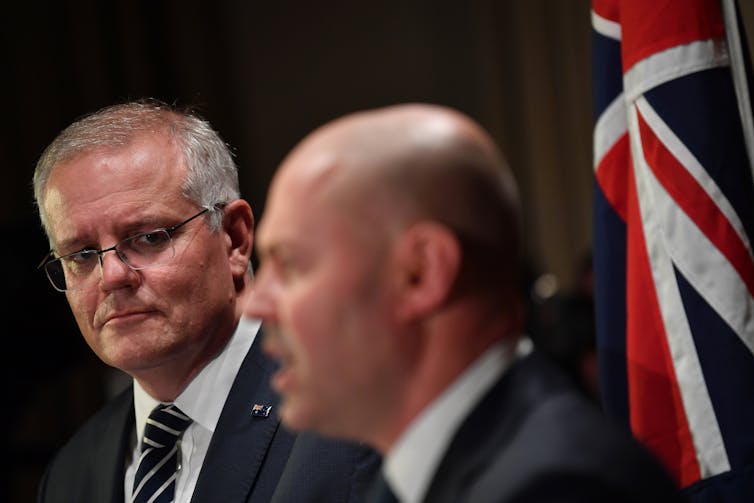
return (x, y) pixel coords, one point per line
(324, 469)
(535, 436)
(105, 426)
(86, 464)
(562, 441)
(561, 419)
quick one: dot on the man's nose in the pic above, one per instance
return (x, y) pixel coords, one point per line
(114, 272)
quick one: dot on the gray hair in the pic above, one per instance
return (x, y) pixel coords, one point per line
(212, 175)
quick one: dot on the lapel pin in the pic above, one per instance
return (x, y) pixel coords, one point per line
(259, 410)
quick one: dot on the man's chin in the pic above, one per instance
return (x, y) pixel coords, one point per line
(131, 352)
(324, 423)
(293, 417)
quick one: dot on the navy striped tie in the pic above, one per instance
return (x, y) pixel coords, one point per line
(155, 476)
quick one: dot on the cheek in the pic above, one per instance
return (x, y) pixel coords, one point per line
(83, 304)
(311, 318)
(332, 330)
(196, 279)
(312, 315)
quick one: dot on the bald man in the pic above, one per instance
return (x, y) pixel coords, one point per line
(388, 286)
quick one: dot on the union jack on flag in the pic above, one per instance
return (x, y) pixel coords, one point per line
(673, 227)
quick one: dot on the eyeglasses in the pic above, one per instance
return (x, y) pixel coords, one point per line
(140, 251)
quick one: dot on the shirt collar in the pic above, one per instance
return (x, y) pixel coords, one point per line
(411, 463)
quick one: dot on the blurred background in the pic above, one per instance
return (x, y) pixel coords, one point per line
(265, 74)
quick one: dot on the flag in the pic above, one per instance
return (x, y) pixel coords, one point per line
(673, 220)
(260, 410)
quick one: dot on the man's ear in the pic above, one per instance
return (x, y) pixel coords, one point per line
(428, 260)
(238, 224)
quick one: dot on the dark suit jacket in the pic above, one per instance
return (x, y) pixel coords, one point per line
(535, 438)
(250, 459)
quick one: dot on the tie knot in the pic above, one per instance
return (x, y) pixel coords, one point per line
(164, 426)
(154, 481)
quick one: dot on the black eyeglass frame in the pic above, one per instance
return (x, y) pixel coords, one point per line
(50, 257)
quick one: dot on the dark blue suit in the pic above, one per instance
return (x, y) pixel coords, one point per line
(535, 438)
(250, 459)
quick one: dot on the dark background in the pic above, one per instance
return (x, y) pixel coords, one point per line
(265, 74)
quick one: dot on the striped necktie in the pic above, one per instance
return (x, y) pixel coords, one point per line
(158, 465)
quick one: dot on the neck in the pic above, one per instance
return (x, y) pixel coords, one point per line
(448, 344)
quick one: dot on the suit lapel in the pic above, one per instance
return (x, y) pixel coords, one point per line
(494, 419)
(491, 426)
(241, 440)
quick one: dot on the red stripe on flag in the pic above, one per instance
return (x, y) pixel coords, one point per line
(696, 203)
(608, 9)
(612, 175)
(651, 26)
(658, 418)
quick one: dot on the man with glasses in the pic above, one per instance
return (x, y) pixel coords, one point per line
(151, 244)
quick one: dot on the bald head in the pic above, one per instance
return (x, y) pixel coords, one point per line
(388, 256)
(400, 164)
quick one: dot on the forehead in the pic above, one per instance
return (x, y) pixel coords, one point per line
(146, 162)
(300, 210)
(290, 210)
(113, 184)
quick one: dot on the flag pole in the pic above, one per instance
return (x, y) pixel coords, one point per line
(740, 81)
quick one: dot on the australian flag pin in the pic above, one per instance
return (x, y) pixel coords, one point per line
(259, 410)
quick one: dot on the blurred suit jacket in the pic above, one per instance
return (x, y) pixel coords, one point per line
(535, 438)
(250, 459)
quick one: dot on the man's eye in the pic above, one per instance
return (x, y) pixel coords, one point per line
(83, 257)
(155, 239)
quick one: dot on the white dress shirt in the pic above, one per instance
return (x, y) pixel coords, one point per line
(202, 401)
(412, 461)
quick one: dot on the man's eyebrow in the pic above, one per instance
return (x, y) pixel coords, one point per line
(126, 229)
(74, 244)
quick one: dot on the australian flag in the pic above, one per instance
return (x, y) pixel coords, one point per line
(673, 228)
